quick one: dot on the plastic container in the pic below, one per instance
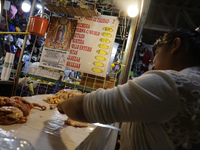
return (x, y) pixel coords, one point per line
(38, 25)
(9, 143)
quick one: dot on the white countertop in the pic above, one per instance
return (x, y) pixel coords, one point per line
(45, 130)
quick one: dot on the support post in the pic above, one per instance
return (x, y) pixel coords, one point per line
(132, 42)
(19, 66)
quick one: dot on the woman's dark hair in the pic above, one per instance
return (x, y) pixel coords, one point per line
(190, 39)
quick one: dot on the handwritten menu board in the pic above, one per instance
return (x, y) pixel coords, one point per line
(92, 44)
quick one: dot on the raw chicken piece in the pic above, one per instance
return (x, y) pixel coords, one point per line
(10, 115)
(15, 110)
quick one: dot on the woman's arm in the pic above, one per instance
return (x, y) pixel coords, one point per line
(73, 108)
(150, 98)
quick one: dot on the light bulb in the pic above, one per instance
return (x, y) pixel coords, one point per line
(132, 11)
(39, 6)
(26, 6)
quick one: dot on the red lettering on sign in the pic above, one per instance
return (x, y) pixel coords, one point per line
(80, 30)
(92, 32)
(78, 35)
(83, 25)
(100, 20)
(75, 46)
(74, 58)
(86, 18)
(74, 52)
(72, 64)
(79, 41)
(85, 48)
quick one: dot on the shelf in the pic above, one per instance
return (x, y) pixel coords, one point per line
(72, 85)
(79, 87)
(71, 10)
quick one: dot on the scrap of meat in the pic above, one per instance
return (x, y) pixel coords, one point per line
(74, 123)
(62, 95)
(40, 106)
(15, 110)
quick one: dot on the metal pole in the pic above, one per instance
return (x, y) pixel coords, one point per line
(19, 66)
(128, 49)
(15, 33)
(132, 42)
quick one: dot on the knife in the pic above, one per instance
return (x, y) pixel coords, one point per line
(106, 126)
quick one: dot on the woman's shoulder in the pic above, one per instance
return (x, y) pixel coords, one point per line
(185, 72)
(187, 77)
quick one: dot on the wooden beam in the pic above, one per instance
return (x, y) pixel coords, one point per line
(166, 21)
(189, 19)
(177, 18)
(158, 27)
(175, 7)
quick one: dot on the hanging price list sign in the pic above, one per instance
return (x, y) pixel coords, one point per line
(92, 44)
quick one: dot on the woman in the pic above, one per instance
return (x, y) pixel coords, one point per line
(160, 109)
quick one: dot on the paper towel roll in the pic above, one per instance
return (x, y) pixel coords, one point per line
(7, 76)
(5, 66)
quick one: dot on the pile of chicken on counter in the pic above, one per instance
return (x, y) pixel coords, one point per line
(16, 109)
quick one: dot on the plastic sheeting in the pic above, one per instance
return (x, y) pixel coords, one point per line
(46, 129)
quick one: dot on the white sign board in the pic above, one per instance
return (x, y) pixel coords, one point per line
(53, 58)
(92, 44)
(48, 73)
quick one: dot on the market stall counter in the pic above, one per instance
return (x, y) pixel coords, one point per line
(46, 129)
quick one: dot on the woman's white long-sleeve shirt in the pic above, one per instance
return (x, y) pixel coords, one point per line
(151, 107)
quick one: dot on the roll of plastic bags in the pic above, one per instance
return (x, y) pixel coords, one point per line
(11, 59)
(5, 66)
